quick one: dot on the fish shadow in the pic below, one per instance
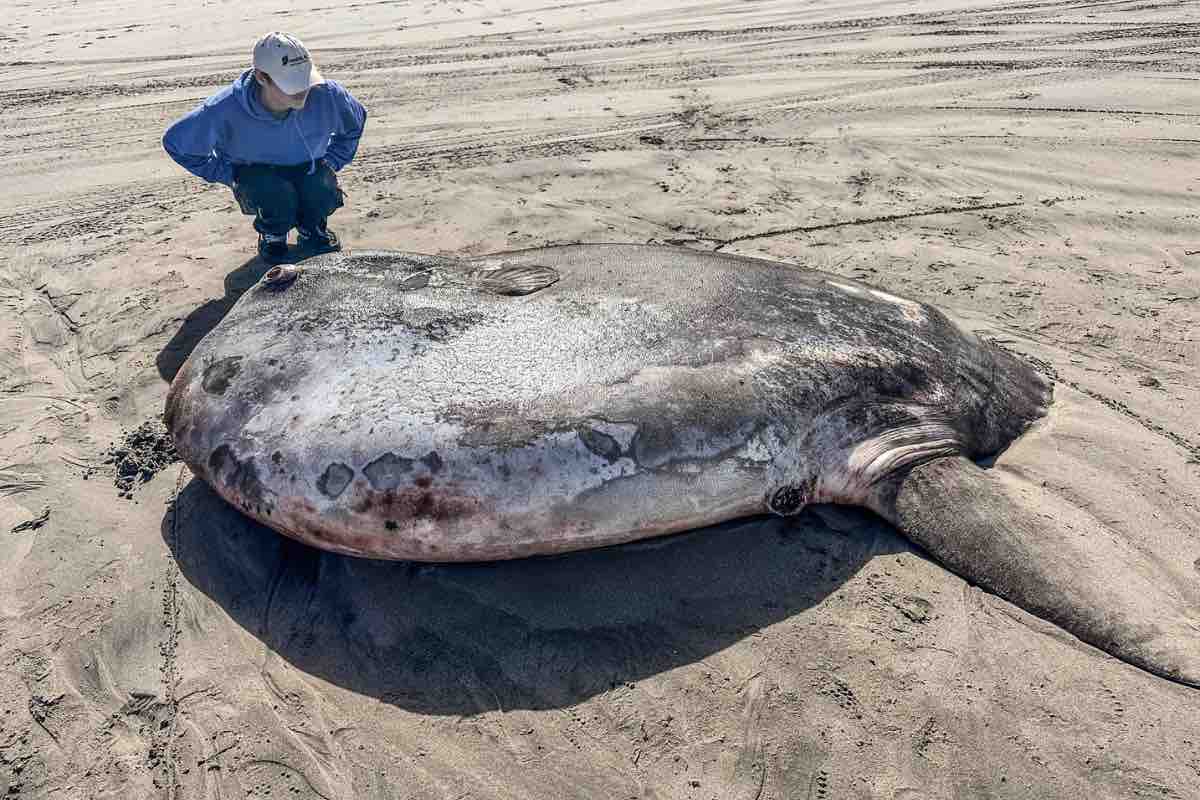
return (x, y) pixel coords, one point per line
(206, 317)
(534, 633)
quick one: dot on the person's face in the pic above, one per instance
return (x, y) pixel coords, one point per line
(275, 97)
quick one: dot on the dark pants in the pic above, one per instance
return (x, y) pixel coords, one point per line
(282, 198)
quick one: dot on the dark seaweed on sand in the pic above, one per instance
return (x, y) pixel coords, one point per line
(140, 455)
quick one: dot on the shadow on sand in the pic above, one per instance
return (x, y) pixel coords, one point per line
(536, 633)
(206, 317)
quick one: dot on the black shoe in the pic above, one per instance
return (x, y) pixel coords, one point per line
(322, 240)
(272, 247)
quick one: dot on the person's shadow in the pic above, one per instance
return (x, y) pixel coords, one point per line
(206, 317)
(529, 634)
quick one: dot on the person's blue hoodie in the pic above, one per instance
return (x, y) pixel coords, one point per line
(233, 127)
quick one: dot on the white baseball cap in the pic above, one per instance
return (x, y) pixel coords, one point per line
(286, 60)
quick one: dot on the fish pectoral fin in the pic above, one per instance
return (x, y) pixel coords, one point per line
(1084, 578)
(516, 279)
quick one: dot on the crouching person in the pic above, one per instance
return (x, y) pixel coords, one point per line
(278, 135)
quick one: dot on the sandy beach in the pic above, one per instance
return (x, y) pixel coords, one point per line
(1028, 167)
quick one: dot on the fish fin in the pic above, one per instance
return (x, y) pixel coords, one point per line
(516, 279)
(1083, 578)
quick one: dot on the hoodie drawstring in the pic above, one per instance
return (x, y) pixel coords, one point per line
(312, 161)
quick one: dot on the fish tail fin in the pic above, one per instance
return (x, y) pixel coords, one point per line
(983, 525)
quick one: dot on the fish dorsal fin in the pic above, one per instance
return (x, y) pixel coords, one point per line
(516, 279)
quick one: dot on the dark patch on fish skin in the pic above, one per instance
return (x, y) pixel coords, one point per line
(218, 458)
(433, 461)
(240, 477)
(391, 525)
(335, 479)
(600, 443)
(276, 457)
(788, 499)
(386, 472)
(397, 505)
(449, 326)
(218, 374)
(656, 440)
